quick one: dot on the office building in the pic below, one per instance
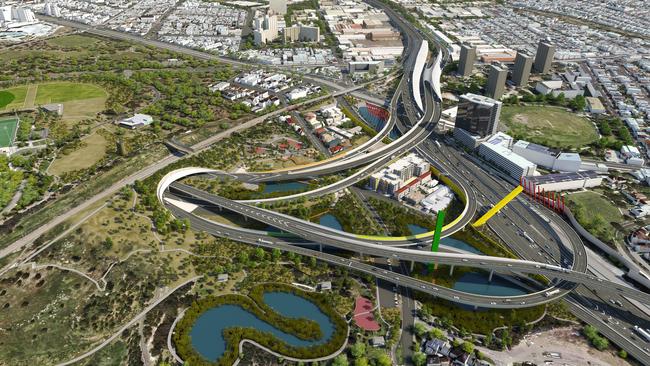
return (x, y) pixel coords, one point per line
(278, 7)
(544, 57)
(266, 29)
(521, 72)
(469, 140)
(467, 58)
(16, 14)
(301, 33)
(496, 151)
(496, 81)
(52, 9)
(478, 115)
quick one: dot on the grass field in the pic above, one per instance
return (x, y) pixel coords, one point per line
(550, 126)
(13, 97)
(72, 41)
(596, 205)
(29, 96)
(93, 151)
(8, 131)
(67, 91)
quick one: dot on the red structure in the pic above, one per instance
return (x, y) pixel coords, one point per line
(378, 111)
(551, 200)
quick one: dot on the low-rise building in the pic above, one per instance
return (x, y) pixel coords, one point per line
(138, 120)
(595, 106)
(640, 211)
(563, 181)
(54, 108)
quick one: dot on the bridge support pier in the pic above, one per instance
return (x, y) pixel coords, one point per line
(475, 307)
(320, 248)
(412, 266)
(451, 270)
(491, 274)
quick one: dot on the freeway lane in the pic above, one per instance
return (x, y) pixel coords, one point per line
(252, 237)
(524, 215)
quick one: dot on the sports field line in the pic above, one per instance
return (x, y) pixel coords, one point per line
(30, 98)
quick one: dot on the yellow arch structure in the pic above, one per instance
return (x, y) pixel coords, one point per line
(491, 212)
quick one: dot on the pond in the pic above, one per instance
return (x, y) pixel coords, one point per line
(330, 221)
(285, 187)
(417, 229)
(207, 332)
(459, 244)
(477, 283)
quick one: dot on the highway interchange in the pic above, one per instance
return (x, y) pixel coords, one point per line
(589, 286)
(562, 248)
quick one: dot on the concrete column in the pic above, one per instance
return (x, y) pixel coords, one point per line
(320, 248)
(475, 307)
(451, 270)
(491, 274)
(412, 266)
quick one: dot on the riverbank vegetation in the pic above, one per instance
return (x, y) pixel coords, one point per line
(483, 242)
(301, 328)
(354, 218)
(396, 217)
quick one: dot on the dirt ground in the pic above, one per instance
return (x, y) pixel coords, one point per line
(566, 341)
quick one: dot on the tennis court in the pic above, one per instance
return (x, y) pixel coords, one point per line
(8, 131)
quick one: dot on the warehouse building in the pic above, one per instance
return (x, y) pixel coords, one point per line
(548, 158)
(564, 181)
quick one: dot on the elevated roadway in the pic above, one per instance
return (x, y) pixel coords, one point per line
(324, 235)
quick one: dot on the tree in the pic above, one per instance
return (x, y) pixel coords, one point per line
(108, 243)
(437, 333)
(419, 359)
(600, 343)
(468, 347)
(259, 254)
(358, 349)
(340, 360)
(622, 353)
(362, 361)
(275, 254)
(419, 329)
(383, 360)
(243, 257)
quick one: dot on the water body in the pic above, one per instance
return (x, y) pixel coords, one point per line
(477, 283)
(417, 229)
(394, 133)
(207, 332)
(459, 244)
(285, 187)
(293, 306)
(330, 221)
